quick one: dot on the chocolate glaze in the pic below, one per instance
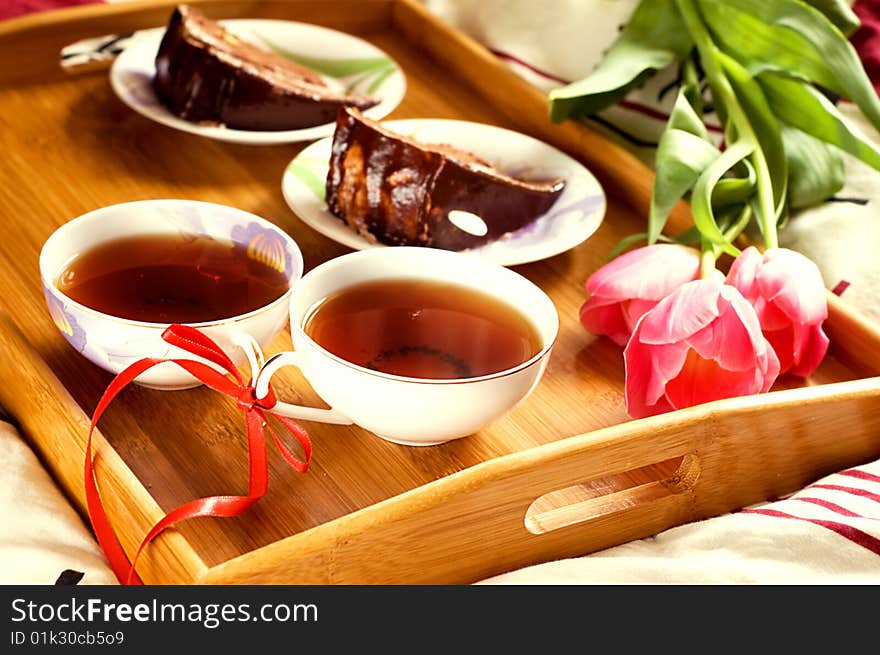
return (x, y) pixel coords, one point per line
(394, 190)
(206, 75)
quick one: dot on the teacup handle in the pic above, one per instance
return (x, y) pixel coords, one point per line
(261, 387)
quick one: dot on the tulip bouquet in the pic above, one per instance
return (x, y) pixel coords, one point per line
(770, 72)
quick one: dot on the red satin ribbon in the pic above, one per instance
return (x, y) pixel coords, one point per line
(195, 342)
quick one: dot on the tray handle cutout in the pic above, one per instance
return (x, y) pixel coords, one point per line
(580, 503)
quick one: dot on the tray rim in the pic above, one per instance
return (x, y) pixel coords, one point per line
(409, 17)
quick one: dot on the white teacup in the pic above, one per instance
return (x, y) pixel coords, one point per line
(405, 410)
(114, 343)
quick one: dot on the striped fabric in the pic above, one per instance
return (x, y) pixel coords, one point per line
(846, 504)
(826, 533)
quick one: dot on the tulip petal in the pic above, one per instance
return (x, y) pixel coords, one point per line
(743, 271)
(689, 309)
(646, 376)
(793, 283)
(650, 272)
(782, 342)
(702, 380)
(770, 316)
(605, 319)
(813, 353)
(634, 309)
(726, 341)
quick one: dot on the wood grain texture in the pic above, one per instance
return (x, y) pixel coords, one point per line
(369, 510)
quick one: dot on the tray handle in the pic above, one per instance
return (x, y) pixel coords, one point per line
(547, 502)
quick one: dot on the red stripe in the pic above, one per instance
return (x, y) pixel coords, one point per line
(501, 54)
(644, 109)
(840, 287)
(659, 115)
(864, 493)
(834, 507)
(861, 475)
(855, 535)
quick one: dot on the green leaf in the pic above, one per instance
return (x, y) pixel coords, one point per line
(684, 115)
(839, 13)
(689, 237)
(735, 190)
(684, 151)
(681, 159)
(792, 37)
(734, 220)
(758, 44)
(624, 244)
(701, 197)
(801, 106)
(816, 170)
(764, 124)
(332, 67)
(653, 38)
(682, 155)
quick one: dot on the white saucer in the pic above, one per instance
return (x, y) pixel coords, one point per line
(574, 217)
(345, 62)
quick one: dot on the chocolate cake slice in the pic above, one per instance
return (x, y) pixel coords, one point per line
(395, 190)
(205, 74)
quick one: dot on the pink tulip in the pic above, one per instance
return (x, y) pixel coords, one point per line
(624, 289)
(789, 296)
(702, 342)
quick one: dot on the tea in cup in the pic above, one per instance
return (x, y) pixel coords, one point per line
(417, 345)
(116, 277)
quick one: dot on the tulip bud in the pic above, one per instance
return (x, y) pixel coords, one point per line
(628, 286)
(790, 299)
(703, 342)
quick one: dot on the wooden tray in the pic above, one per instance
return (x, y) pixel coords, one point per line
(565, 474)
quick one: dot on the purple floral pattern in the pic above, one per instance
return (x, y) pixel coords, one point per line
(65, 322)
(264, 245)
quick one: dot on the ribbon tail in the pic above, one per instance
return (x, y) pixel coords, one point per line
(122, 567)
(222, 506)
(104, 533)
(215, 506)
(107, 539)
(299, 433)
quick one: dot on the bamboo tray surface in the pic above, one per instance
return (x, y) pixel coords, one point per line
(564, 474)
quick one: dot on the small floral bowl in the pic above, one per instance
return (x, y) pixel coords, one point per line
(113, 343)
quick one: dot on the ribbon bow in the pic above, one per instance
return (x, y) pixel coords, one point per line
(255, 410)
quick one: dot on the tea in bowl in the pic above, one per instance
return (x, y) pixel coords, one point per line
(116, 277)
(417, 345)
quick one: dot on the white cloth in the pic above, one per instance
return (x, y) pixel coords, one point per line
(41, 536)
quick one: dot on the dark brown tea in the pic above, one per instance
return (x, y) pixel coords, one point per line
(169, 278)
(423, 329)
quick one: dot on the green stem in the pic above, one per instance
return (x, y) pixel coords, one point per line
(707, 260)
(732, 232)
(712, 60)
